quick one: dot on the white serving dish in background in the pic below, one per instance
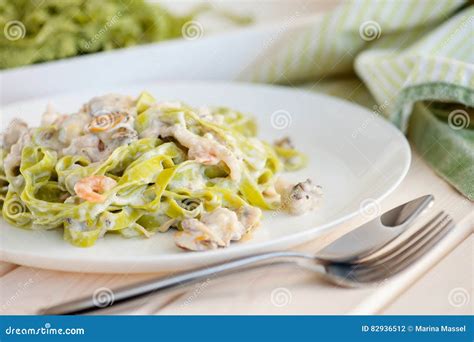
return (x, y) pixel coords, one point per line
(214, 56)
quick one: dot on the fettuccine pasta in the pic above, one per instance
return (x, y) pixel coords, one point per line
(136, 167)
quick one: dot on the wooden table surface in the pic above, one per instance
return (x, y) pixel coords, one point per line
(440, 283)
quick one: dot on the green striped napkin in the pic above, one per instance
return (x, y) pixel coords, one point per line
(415, 57)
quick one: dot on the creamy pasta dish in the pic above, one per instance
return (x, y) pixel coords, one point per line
(138, 166)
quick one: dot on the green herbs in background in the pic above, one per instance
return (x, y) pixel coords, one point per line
(36, 31)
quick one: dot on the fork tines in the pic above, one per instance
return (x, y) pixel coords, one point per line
(405, 253)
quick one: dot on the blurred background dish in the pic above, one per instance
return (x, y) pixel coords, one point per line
(37, 31)
(40, 31)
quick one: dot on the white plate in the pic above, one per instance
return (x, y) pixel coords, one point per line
(356, 156)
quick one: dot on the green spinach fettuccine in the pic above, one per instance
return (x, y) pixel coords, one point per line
(138, 166)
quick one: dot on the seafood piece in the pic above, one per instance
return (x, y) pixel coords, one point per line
(71, 127)
(249, 216)
(204, 150)
(88, 145)
(47, 136)
(12, 161)
(91, 188)
(207, 114)
(113, 130)
(15, 130)
(119, 137)
(105, 122)
(110, 103)
(217, 228)
(14, 139)
(49, 116)
(103, 134)
(284, 142)
(300, 198)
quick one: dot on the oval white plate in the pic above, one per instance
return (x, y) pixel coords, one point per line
(355, 155)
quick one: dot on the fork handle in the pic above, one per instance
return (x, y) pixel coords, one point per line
(87, 304)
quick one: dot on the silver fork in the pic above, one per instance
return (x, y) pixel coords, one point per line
(371, 270)
(378, 267)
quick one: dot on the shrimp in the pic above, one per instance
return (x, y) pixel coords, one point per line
(91, 188)
(204, 150)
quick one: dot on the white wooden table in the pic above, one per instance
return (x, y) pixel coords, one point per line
(441, 282)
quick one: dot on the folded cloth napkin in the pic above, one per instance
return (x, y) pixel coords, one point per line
(415, 57)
